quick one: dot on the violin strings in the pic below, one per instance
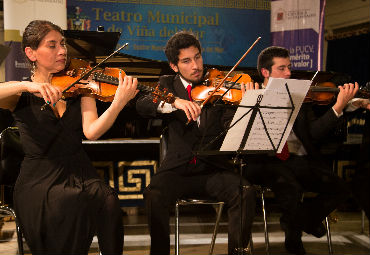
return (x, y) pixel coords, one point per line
(217, 82)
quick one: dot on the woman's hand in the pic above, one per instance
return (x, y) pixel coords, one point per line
(95, 126)
(191, 109)
(48, 92)
(127, 90)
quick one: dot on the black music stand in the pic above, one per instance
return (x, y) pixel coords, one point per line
(252, 113)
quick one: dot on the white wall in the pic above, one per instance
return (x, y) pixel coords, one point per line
(344, 13)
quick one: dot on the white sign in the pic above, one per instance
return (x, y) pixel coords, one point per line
(287, 15)
(18, 13)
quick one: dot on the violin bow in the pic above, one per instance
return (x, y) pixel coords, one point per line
(228, 74)
(89, 72)
(313, 78)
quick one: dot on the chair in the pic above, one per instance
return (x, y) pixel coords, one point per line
(196, 202)
(9, 211)
(189, 201)
(11, 157)
(263, 190)
(362, 221)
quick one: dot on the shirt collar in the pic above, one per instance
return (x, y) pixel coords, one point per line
(184, 82)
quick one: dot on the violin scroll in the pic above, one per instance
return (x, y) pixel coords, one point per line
(162, 96)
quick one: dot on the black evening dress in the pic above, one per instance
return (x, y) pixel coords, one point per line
(58, 193)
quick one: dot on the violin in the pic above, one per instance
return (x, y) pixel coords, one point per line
(210, 95)
(230, 92)
(100, 83)
(79, 78)
(324, 93)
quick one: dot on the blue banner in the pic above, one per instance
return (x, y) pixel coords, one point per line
(226, 29)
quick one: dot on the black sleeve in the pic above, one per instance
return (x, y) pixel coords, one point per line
(6, 119)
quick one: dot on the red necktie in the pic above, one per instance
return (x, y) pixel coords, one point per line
(284, 154)
(188, 88)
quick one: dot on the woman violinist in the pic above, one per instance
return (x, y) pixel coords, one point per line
(59, 199)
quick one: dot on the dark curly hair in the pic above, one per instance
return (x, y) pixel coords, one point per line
(180, 40)
(266, 56)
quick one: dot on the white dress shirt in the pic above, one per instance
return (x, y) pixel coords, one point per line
(168, 108)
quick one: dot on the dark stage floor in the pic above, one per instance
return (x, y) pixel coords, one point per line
(197, 226)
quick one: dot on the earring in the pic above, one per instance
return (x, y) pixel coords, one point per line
(33, 69)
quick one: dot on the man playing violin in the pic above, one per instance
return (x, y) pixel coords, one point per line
(359, 183)
(60, 200)
(182, 174)
(303, 168)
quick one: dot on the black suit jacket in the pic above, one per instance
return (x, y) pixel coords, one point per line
(184, 140)
(313, 130)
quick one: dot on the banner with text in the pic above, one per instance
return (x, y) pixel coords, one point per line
(17, 15)
(226, 29)
(298, 26)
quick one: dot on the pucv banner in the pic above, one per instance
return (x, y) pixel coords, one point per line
(298, 26)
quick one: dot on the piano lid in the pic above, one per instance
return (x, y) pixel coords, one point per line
(90, 44)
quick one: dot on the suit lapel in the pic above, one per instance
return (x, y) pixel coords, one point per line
(179, 88)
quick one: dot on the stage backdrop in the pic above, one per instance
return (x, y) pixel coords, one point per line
(17, 15)
(298, 26)
(225, 28)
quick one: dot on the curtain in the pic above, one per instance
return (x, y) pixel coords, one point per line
(351, 56)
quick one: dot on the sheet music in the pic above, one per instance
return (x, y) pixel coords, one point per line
(275, 95)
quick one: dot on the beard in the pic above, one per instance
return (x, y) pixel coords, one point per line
(193, 81)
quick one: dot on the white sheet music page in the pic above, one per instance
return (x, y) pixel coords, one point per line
(274, 95)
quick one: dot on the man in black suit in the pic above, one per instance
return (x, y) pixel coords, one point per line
(304, 168)
(360, 180)
(182, 174)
